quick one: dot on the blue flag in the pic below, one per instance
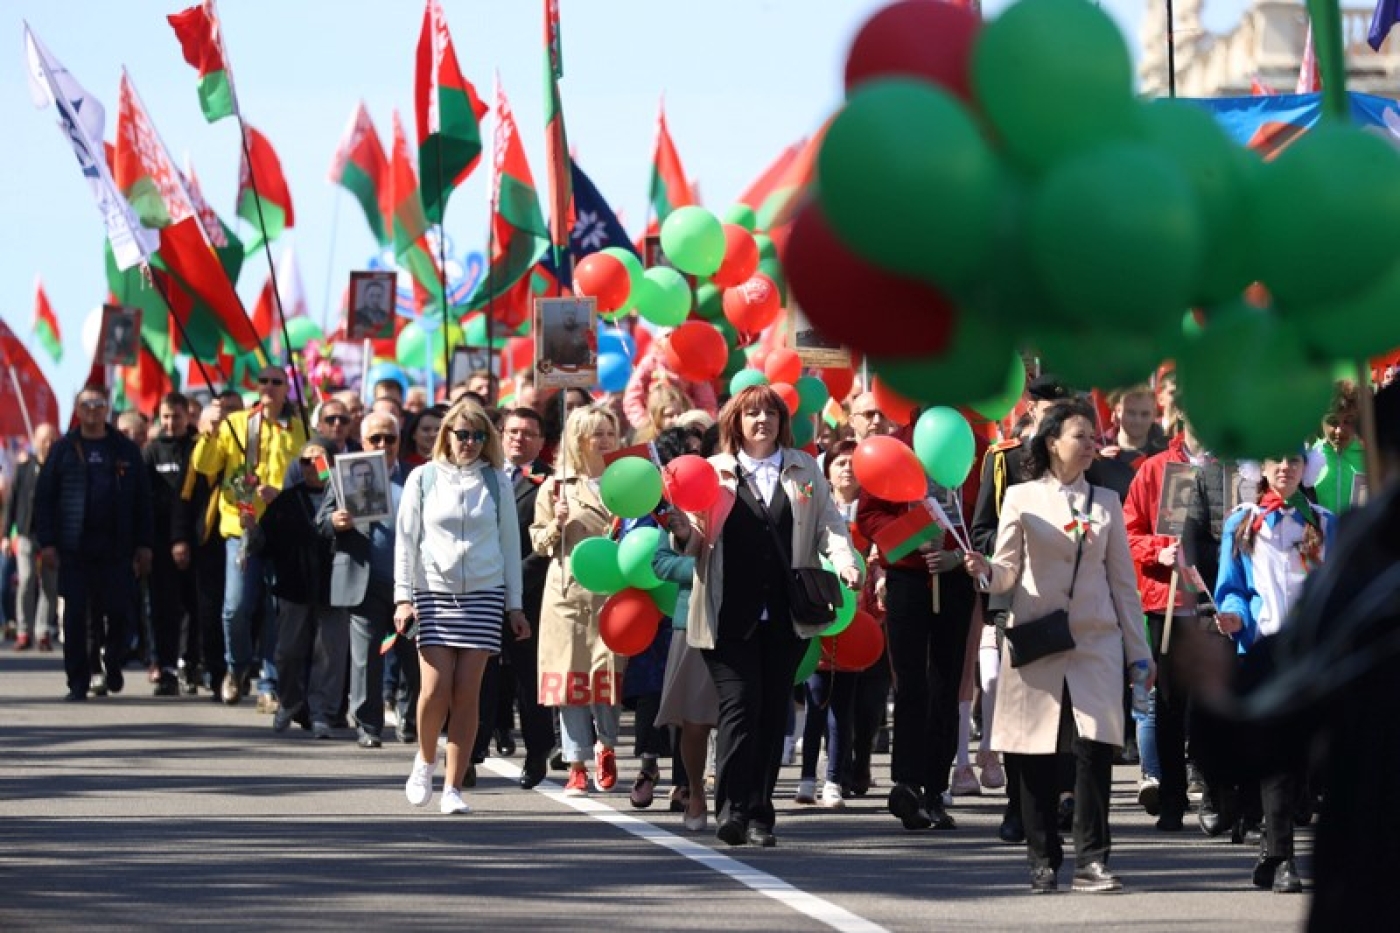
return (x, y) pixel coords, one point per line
(1387, 12)
(596, 227)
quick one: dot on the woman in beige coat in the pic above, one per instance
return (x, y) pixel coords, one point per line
(1073, 700)
(577, 672)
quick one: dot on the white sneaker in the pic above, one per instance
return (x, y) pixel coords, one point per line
(452, 802)
(419, 786)
(806, 791)
(831, 795)
(965, 783)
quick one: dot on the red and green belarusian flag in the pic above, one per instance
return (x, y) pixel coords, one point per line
(905, 534)
(558, 170)
(46, 329)
(202, 42)
(264, 199)
(448, 115)
(669, 189)
(361, 168)
(408, 222)
(519, 237)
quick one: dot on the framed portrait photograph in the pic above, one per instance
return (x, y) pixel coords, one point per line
(120, 341)
(810, 346)
(468, 360)
(370, 314)
(1178, 490)
(362, 485)
(566, 343)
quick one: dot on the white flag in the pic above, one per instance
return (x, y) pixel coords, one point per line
(81, 119)
(289, 285)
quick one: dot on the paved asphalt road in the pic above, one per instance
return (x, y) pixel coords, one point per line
(135, 812)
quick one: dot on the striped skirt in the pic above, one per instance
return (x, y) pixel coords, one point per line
(461, 620)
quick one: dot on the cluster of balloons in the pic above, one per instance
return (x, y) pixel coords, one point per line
(804, 396)
(991, 188)
(944, 451)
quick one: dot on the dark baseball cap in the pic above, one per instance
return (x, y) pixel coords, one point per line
(1047, 388)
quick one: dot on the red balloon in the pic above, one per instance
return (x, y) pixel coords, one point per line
(740, 257)
(927, 39)
(691, 483)
(520, 351)
(860, 305)
(643, 338)
(628, 620)
(896, 407)
(789, 396)
(605, 278)
(839, 381)
(889, 469)
(754, 304)
(859, 645)
(697, 351)
(782, 365)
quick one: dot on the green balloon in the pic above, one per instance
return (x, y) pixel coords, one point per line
(1106, 358)
(728, 331)
(303, 330)
(997, 407)
(630, 487)
(667, 302)
(475, 335)
(1328, 215)
(693, 240)
(804, 430)
(709, 302)
(1115, 232)
(908, 182)
(742, 215)
(970, 367)
(738, 361)
(1222, 176)
(812, 394)
(634, 554)
(810, 660)
(1359, 327)
(845, 613)
(665, 595)
(1276, 392)
(945, 446)
(745, 378)
(628, 259)
(767, 249)
(594, 565)
(1054, 78)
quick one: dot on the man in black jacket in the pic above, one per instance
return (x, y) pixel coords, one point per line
(36, 602)
(167, 460)
(92, 518)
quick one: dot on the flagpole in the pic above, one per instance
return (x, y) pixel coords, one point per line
(1171, 50)
(272, 273)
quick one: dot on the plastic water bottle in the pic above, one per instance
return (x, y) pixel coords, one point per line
(1137, 675)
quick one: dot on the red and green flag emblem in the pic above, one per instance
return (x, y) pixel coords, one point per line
(46, 329)
(448, 114)
(409, 223)
(669, 189)
(362, 168)
(202, 43)
(264, 199)
(906, 534)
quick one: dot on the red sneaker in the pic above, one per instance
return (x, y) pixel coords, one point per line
(21, 642)
(606, 778)
(577, 785)
(45, 643)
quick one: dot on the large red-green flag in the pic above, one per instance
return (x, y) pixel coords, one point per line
(410, 224)
(763, 187)
(202, 42)
(669, 188)
(264, 200)
(361, 168)
(557, 162)
(448, 114)
(46, 329)
(519, 237)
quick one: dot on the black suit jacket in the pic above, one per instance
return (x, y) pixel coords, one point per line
(533, 566)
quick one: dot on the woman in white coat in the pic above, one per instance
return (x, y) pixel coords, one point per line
(1071, 700)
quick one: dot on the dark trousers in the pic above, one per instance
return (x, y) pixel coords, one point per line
(1173, 702)
(1279, 794)
(872, 693)
(753, 677)
(831, 715)
(649, 740)
(536, 721)
(926, 650)
(98, 592)
(1039, 776)
(172, 593)
(370, 622)
(209, 559)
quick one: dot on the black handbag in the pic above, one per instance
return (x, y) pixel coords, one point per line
(1030, 641)
(814, 593)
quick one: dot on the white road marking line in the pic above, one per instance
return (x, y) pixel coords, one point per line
(819, 909)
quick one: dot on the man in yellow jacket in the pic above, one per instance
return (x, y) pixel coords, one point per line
(246, 458)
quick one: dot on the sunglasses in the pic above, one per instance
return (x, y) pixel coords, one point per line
(385, 439)
(93, 404)
(271, 382)
(336, 419)
(469, 437)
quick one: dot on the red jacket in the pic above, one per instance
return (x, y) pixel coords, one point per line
(1140, 515)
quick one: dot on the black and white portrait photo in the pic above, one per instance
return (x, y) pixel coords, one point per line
(566, 342)
(363, 483)
(371, 314)
(1178, 490)
(120, 342)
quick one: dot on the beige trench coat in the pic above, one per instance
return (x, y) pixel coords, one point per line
(1034, 560)
(575, 667)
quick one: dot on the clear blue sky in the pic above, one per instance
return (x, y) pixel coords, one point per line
(742, 80)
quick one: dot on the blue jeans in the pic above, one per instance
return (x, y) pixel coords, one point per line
(579, 726)
(244, 591)
(831, 713)
(1147, 738)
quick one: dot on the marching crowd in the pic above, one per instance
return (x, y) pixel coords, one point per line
(216, 548)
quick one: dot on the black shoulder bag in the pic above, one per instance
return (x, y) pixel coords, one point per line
(814, 593)
(1040, 638)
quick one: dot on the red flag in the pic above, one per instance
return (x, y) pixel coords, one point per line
(260, 179)
(46, 329)
(35, 397)
(448, 114)
(147, 382)
(188, 256)
(362, 168)
(669, 188)
(557, 162)
(1309, 76)
(1257, 88)
(202, 43)
(766, 184)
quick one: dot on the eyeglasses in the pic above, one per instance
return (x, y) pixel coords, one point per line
(385, 439)
(469, 437)
(263, 381)
(93, 404)
(870, 415)
(336, 419)
(304, 461)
